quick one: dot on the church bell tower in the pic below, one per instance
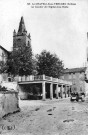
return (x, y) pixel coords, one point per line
(21, 38)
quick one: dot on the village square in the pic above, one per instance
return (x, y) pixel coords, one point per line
(36, 91)
(43, 67)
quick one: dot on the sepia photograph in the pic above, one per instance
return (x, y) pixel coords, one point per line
(43, 67)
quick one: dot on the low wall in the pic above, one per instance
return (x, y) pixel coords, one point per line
(9, 102)
(10, 85)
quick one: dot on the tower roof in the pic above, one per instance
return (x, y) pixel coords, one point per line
(22, 28)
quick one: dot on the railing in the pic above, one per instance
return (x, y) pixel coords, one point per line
(41, 77)
(55, 79)
(47, 78)
(38, 77)
(25, 78)
(60, 81)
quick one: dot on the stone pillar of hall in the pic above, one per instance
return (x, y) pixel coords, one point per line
(68, 91)
(51, 91)
(57, 91)
(43, 91)
(65, 91)
(61, 91)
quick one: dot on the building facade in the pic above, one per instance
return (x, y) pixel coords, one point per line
(3, 54)
(3, 58)
(77, 77)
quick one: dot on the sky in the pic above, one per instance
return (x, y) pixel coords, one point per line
(62, 31)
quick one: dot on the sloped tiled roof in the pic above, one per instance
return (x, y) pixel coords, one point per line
(74, 70)
(4, 49)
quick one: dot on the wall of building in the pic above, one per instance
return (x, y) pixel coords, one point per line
(3, 55)
(19, 41)
(77, 79)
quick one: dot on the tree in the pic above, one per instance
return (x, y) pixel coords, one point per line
(49, 64)
(34, 66)
(19, 61)
(3, 67)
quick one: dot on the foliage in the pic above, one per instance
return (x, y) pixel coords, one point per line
(49, 64)
(3, 67)
(34, 61)
(19, 61)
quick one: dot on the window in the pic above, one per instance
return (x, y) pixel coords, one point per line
(74, 75)
(10, 79)
(28, 43)
(19, 39)
(70, 77)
